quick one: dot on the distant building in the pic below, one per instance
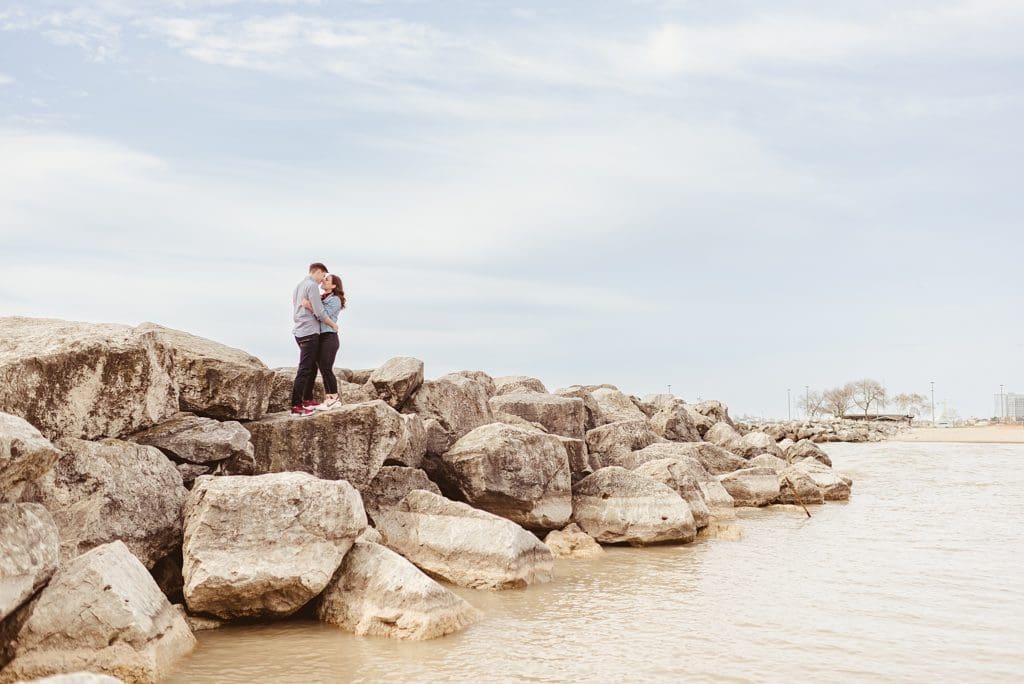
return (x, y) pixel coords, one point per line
(1009, 406)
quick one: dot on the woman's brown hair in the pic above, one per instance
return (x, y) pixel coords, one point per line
(338, 290)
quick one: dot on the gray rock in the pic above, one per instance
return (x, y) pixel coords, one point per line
(757, 443)
(412, 442)
(715, 459)
(614, 406)
(519, 474)
(198, 440)
(29, 552)
(676, 474)
(456, 402)
(558, 415)
(349, 443)
(265, 545)
(806, 448)
(463, 545)
(833, 486)
(674, 422)
(590, 408)
(752, 486)
(518, 384)
(391, 485)
(397, 379)
(482, 378)
(102, 491)
(715, 410)
(767, 461)
(24, 456)
(615, 505)
(376, 592)
(797, 487)
(613, 443)
(724, 435)
(438, 439)
(101, 612)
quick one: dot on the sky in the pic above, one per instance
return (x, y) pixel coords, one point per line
(731, 198)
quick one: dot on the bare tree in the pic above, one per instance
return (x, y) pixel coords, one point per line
(868, 392)
(910, 404)
(812, 404)
(838, 400)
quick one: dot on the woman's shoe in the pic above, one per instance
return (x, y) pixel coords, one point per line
(328, 404)
(301, 411)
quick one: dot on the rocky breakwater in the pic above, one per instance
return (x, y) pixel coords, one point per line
(142, 464)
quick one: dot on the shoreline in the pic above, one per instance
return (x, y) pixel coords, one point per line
(990, 434)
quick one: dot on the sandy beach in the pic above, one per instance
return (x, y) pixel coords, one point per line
(989, 434)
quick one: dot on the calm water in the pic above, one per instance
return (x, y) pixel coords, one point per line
(919, 577)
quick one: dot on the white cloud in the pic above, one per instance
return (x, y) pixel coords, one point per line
(5, 79)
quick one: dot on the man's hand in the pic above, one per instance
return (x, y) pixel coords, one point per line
(306, 305)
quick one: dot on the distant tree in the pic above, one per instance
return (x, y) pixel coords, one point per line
(910, 404)
(811, 403)
(838, 400)
(867, 392)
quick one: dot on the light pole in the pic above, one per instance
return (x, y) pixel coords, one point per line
(789, 406)
(670, 389)
(933, 403)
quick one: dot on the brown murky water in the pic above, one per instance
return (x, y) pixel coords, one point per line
(920, 577)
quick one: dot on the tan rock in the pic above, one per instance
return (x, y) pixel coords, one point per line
(519, 474)
(615, 505)
(377, 592)
(482, 378)
(456, 402)
(101, 612)
(724, 435)
(187, 437)
(572, 542)
(590, 408)
(412, 442)
(614, 443)
(438, 439)
(715, 410)
(265, 545)
(833, 486)
(29, 552)
(614, 406)
(715, 459)
(518, 384)
(558, 415)
(676, 474)
(391, 485)
(767, 461)
(672, 421)
(102, 491)
(83, 379)
(797, 487)
(463, 545)
(688, 456)
(397, 379)
(806, 448)
(349, 443)
(756, 443)
(24, 456)
(752, 486)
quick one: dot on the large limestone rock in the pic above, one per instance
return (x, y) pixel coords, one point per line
(212, 378)
(29, 551)
(24, 455)
(518, 384)
(265, 545)
(376, 592)
(349, 443)
(724, 435)
(701, 422)
(83, 379)
(833, 486)
(102, 491)
(519, 474)
(752, 486)
(767, 461)
(614, 406)
(590, 408)
(397, 379)
(482, 378)
(613, 443)
(715, 410)
(463, 545)
(558, 415)
(715, 459)
(688, 457)
(672, 421)
(456, 402)
(615, 505)
(391, 485)
(438, 439)
(284, 380)
(198, 440)
(413, 442)
(797, 487)
(101, 612)
(756, 443)
(572, 542)
(675, 473)
(806, 448)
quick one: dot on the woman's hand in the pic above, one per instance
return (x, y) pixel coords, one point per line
(306, 305)
(331, 324)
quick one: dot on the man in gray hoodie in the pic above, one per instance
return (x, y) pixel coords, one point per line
(307, 333)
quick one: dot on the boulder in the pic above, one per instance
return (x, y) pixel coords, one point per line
(724, 435)
(349, 443)
(376, 592)
(456, 402)
(613, 442)
(463, 545)
(715, 410)
(348, 392)
(715, 459)
(572, 542)
(391, 485)
(558, 415)
(767, 461)
(614, 406)
(518, 384)
(190, 471)
(412, 442)
(806, 448)
(701, 422)
(83, 379)
(675, 473)
(784, 445)
(659, 401)
(756, 443)
(198, 440)
(100, 612)
(24, 455)
(692, 457)
(519, 474)
(480, 377)
(579, 461)
(673, 422)
(267, 544)
(212, 378)
(438, 439)
(833, 486)
(752, 486)
(509, 419)
(360, 376)
(102, 491)
(590, 407)
(615, 505)
(29, 552)
(797, 487)
(397, 379)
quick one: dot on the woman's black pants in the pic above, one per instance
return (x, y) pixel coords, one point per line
(329, 344)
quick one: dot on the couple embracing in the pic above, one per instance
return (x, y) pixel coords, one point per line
(316, 303)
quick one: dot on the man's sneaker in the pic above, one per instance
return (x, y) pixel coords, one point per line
(301, 411)
(327, 405)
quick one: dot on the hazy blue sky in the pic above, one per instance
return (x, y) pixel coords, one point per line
(729, 197)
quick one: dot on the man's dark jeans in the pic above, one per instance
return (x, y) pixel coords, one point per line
(309, 348)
